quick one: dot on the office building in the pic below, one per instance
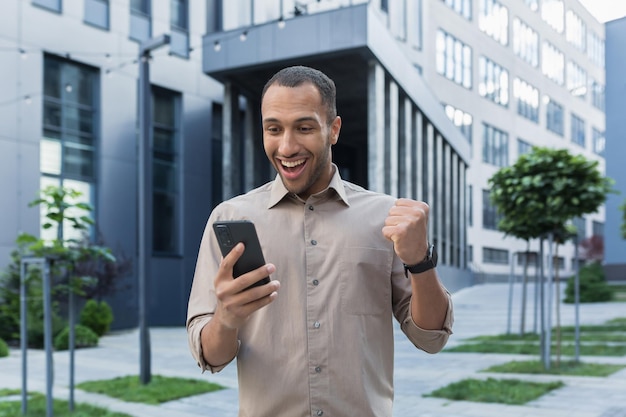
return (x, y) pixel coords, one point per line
(509, 75)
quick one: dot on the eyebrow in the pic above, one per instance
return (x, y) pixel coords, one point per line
(299, 120)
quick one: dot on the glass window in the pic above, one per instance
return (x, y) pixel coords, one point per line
(531, 257)
(68, 144)
(598, 140)
(554, 116)
(140, 6)
(576, 80)
(493, 19)
(179, 25)
(597, 95)
(597, 228)
(493, 81)
(578, 130)
(179, 15)
(495, 256)
(523, 147)
(454, 59)
(462, 7)
(553, 12)
(595, 49)
(461, 119)
(527, 99)
(53, 5)
(575, 30)
(490, 214)
(397, 19)
(97, 13)
(495, 146)
(165, 161)
(532, 4)
(552, 63)
(414, 29)
(525, 42)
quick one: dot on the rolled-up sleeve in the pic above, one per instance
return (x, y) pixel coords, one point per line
(430, 341)
(202, 299)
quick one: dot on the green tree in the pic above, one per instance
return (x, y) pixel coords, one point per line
(545, 189)
(68, 256)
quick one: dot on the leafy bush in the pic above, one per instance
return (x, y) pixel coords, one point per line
(98, 316)
(593, 286)
(83, 337)
(4, 349)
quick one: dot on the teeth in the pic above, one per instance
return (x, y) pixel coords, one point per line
(291, 164)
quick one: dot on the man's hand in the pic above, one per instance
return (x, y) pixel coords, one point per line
(407, 227)
(234, 305)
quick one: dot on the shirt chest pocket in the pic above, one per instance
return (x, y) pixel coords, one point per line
(365, 281)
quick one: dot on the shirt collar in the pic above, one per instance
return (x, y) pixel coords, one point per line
(279, 192)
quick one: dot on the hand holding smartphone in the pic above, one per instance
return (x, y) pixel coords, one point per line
(228, 234)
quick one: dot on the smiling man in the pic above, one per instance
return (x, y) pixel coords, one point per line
(318, 338)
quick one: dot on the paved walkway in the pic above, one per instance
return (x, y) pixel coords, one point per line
(480, 310)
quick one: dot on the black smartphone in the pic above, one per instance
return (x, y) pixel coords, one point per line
(229, 233)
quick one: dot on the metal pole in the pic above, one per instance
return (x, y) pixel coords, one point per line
(542, 306)
(47, 317)
(145, 198)
(508, 323)
(576, 303)
(23, 335)
(71, 344)
(549, 299)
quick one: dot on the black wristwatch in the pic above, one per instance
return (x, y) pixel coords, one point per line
(429, 262)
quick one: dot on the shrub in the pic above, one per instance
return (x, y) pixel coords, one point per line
(98, 316)
(83, 337)
(4, 349)
(593, 287)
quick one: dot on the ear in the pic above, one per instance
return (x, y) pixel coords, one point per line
(335, 127)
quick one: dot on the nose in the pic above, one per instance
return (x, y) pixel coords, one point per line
(289, 144)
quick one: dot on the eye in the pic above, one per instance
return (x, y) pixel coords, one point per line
(305, 129)
(272, 129)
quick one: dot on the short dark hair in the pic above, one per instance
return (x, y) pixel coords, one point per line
(298, 75)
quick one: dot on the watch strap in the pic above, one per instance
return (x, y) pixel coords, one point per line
(428, 263)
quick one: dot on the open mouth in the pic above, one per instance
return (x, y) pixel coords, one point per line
(293, 168)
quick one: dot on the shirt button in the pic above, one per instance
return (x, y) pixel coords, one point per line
(314, 242)
(311, 208)
(316, 282)
(320, 413)
(316, 324)
(318, 369)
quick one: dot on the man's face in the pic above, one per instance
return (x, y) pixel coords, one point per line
(297, 137)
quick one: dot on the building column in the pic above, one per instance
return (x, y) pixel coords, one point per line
(418, 152)
(439, 187)
(408, 150)
(429, 192)
(376, 127)
(455, 243)
(249, 168)
(231, 147)
(393, 134)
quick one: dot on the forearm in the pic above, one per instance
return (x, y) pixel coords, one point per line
(429, 300)
(219, 343)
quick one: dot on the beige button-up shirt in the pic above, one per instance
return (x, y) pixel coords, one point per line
(325, 345)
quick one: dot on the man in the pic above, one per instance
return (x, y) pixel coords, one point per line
(318, 339)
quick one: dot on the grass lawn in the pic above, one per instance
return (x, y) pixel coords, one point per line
(491, 390)
(608, 339)
(160, 389)
(11, 406)
(563, 368)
